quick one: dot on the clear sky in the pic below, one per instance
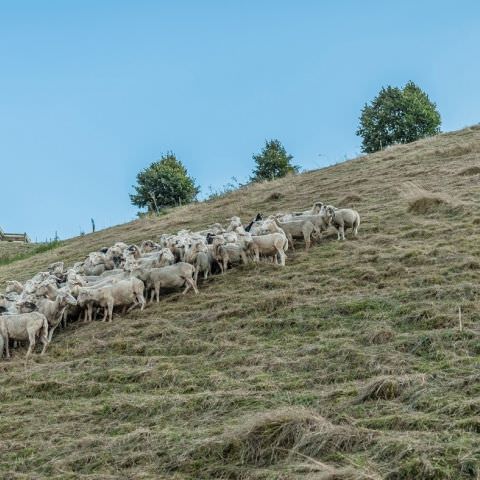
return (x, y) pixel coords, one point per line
(93, 91)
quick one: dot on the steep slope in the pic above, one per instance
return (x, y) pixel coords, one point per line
(348, 363)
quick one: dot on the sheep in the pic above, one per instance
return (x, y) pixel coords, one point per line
(54, 309)
(56, 269)
(227, 253)
(115, 254)
(234, 223)
(198, 256)
(202, 265)
(343, 218)
(257, 218)
(96, 263)
(14, 286)
(127, 292)
(271, 244)
(303, 228)
(4, 304)
(172, 276)
(315, 210)
(24, 326)
(149, 246)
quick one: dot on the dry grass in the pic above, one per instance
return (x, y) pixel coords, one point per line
(422, 201)
(348, 363)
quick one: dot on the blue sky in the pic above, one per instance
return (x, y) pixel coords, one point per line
(93, 91)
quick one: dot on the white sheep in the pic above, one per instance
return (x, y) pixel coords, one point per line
(55, 309)
(21, 327)
(126, 293)
(298, 228)
(342, 219)
(172, 276)
(271, 244)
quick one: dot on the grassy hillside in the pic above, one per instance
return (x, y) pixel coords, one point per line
(348, 363)
(12, 251)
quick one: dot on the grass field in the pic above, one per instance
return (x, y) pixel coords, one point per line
(349, 363)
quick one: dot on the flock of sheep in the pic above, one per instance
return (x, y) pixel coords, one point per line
(123, 275)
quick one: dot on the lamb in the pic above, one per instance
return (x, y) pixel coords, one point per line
(343, 218)
(122, 293)
(24, 326)
(172, 276)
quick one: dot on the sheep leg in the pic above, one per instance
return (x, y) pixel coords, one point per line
(257, 254)
(244, 258)
(31, 346)
(141, 301)
(50, 334)
(342, 232)
(2, 345)
(45, 342)
(192, 283)
(130, 308)
(290, 241)
(110, 310)
(187, 287)
(195, 277)
(7, 347)
(306, 237)
(105, 312)
(156, 291)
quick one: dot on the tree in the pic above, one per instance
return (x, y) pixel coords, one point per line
(164, 183)
(272, 162)
(397, 115)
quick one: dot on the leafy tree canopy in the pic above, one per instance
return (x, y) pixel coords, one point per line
(397, 115)
(272, 162)
(164, 183)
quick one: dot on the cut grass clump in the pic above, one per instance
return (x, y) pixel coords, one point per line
(350, 200)
(387, 388)
(470, 171)
(267, 438)
(264, 438)
(274, 197)
(422, 201)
